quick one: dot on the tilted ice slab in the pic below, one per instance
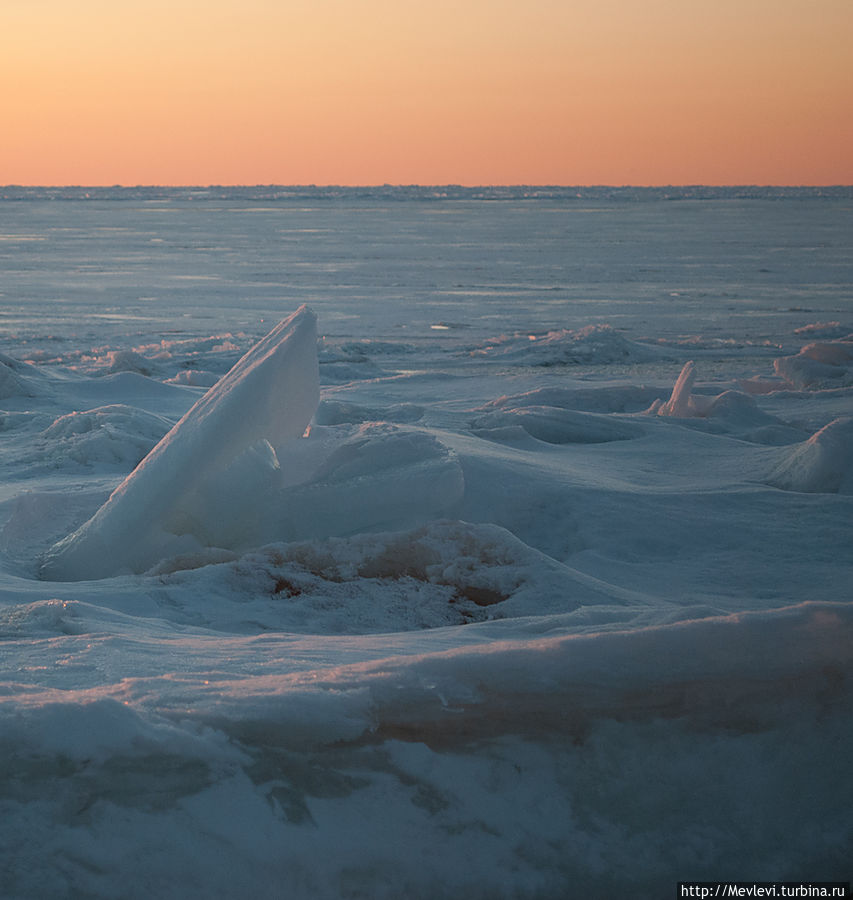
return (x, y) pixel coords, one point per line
(231, 475)
(267, 399)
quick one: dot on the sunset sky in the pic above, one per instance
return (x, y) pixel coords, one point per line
(430, 92)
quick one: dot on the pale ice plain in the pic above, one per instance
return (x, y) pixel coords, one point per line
(416, 543)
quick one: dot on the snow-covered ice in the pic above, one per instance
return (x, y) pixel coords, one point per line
(424, 543)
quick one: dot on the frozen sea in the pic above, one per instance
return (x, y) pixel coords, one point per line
(516, 562)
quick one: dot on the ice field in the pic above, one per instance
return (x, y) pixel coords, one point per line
(408, 542)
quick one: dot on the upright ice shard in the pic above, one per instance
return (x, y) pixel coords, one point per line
(679, 404)
(267, 399)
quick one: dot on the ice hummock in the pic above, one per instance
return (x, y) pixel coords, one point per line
(822, 464)
(819, 365)
(266, 400)
(228, 476)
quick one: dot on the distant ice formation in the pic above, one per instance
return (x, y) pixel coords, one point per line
(819, 365)
(593, 344)
(130, 361)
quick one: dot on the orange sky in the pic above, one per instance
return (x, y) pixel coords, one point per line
(430, 92)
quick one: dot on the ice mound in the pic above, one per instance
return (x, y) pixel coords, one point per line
(12, 421)
(828, 330)
(382, 477)
(594, 344)
(763, 384)
(213, 353)
(352, 361)
(269, 395)
(117, 434)
(734, 412)
(14, 378)
(822, 464)
(444, 573)
(484, 565)
(49, 617)
(36, 519)
(129, 361)
(555, 426)
(818, 366)
(194, 378)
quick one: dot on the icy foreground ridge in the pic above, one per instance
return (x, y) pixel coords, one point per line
(229, 437)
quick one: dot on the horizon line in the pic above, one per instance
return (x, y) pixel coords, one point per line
(455, 185)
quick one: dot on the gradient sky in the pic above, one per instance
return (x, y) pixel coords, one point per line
(430, 92)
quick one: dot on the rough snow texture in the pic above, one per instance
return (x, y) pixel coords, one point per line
(118, 434)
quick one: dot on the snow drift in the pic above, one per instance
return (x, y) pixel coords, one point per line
(822, 464)
(553, 425)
